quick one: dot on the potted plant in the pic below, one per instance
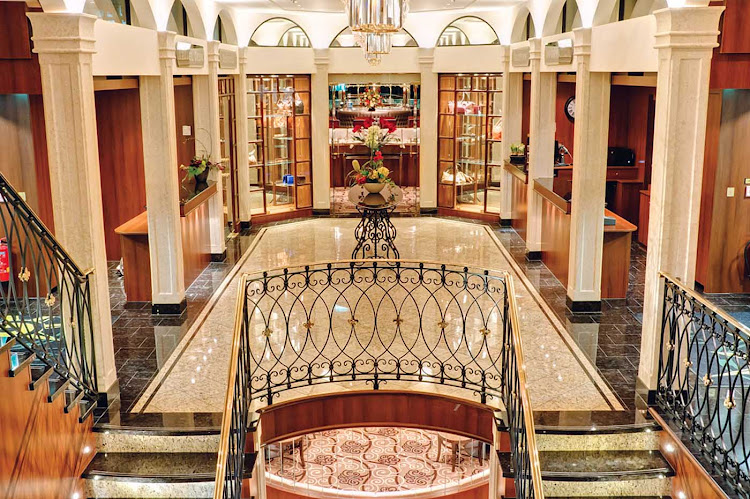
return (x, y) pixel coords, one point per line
(199, 168)
(517, 154)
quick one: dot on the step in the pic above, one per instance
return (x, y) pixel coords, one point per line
(608, 497)
(169, 432)
(151, 474)
(595, 430)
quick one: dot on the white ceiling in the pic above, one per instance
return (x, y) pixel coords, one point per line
(338, 5)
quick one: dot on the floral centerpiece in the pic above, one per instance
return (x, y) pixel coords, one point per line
(373, 174)
(372, 98)
(199, 168)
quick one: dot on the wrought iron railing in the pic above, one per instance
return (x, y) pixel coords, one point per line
(704, 380)
(44, 297)
(381, 323)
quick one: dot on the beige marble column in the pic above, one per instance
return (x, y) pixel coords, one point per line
(162, 182)
(512, 118)
(321, 153)
(428, 136)
(241, 114)
(541, 144)
(590, 140)
(65, 44)
(685, 39)
(208, 142)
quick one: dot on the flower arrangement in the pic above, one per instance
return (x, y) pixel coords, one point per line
(372, 172)
(372, 98)
(200, 165)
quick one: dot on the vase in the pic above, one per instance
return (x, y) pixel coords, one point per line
(374, 187)
(517, 159)
(201, 181)
(371, 108)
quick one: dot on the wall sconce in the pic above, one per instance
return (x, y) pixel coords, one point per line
(189, 55)
(521, 57)
(559, 53)
(227, 59)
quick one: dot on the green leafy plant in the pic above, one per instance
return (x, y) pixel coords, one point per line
(517, 149)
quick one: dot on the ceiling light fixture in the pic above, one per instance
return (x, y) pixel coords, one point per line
(372, 59)
(377, 16)
(377, 43)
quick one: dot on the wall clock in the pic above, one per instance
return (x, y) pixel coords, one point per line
(570, 108)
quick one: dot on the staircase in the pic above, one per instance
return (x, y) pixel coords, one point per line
(613, 454)
(142, 458)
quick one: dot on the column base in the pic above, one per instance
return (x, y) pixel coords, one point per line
(643, 396)
(428, 211)
(533, 256)
(321, 212)
(219, 257)
(105, 398)
(583, 306)
(245, 225)
(169, 308)
(506, 222)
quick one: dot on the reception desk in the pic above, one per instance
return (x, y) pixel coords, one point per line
(196, 245)
(556, 222)
(519, 193)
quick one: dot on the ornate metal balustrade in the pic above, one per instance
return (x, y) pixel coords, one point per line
(44, 297)
(381, 323)
(704, 380)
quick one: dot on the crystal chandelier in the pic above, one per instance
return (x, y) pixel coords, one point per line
(376, 16)
(372, 59)
(377, 43)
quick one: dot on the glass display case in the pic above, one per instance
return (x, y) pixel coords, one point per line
(469, 142)
(279, 143)
(228, 152)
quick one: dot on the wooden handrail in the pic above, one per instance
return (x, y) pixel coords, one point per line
(528, 414)
(226, 421)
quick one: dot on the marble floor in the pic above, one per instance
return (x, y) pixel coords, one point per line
(194, 377)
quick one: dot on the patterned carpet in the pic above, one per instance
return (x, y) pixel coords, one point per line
(340, 204)
(376, 460)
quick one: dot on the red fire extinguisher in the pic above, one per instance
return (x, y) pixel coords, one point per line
(4, 261)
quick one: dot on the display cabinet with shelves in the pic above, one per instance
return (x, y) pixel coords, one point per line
(279, 143)
(228, 153)
(469, 142)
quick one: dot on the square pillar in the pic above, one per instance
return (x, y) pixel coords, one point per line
(541, 144)
(65, 44)
(208, 142)
(590, 141)
(685, 39)
(428, 135)
(241, 142)
(321, 154)
(162, 183)
(512, 118)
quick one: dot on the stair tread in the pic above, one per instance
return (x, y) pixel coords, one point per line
(184, 465)
(608, 497)
(601, 462)
(592, 422)
(172, 424)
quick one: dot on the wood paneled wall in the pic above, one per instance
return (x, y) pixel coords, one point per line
(631, 124)
(19, 68)
(724, 228)
(183, 112)
(42, 446)
(376, 408)
(526, 110)
(118, 126)
(565, 128)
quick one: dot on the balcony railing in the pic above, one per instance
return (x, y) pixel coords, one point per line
(381, 323)
(44, 297)
(704, 381)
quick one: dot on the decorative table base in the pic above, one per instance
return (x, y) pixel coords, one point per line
(375, 234)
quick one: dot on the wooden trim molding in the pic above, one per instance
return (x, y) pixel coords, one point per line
(376, 408)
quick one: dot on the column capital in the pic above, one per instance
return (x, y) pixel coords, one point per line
(688, 28)
(63, 33)
(535, 49)
(212, 51)
(242, 55)
(582, 42)
(321, 57)
(505, 54)
(166, 41)
(426, 57)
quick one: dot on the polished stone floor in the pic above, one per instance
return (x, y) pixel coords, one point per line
(194, 378)
(609, 340)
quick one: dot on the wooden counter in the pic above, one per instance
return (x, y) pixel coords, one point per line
(196, 245)
(519, 197)
(403, 162)
(556, 222)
